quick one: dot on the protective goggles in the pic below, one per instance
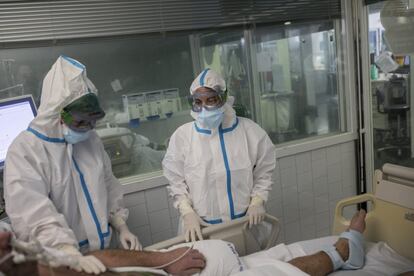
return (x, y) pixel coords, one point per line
(81, 115)
(77, 121)
(209, 100)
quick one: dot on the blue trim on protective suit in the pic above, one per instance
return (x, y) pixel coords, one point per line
(213, 221)
(44, 137)
(101, 235)
(202, 130)
(226, 164)
(224, 130)
(74, 62)
(203, 75)
(208, 131)
(228, 174)
(85, 242)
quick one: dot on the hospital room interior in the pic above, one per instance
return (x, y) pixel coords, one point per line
(330, 82)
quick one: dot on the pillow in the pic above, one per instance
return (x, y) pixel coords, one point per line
(221, 257)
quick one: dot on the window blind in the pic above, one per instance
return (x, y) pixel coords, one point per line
(65, 19)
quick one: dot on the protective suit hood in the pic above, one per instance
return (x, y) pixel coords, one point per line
(64, 83)
(208, 78)
(211, 79)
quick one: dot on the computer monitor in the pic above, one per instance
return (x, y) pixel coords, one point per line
(15, 116)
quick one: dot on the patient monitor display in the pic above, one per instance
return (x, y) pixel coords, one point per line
(15, 116)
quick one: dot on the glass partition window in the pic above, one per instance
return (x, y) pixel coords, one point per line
(297, 90)
(142, 84)
(391, 79)
(286, 79)
(283, 77)
(226, 53)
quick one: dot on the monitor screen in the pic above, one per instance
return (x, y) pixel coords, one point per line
(15, 116)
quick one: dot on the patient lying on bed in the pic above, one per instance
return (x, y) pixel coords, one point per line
(220, 258)
(333, 254)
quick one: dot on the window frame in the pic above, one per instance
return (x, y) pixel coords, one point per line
(347, 94)
(347, 90)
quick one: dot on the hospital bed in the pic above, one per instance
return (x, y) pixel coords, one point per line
(391, 216)
(389, 233)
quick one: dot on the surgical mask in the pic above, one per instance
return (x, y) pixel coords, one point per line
(211, 118)
(73, 137)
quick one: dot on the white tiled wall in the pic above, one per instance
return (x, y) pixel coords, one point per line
(306, 188)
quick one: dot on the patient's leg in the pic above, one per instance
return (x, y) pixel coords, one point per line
(320, 264)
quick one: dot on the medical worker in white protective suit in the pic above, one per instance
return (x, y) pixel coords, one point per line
(219, 167)
(58, 183)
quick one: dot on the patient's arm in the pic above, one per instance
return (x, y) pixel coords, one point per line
(192, 262)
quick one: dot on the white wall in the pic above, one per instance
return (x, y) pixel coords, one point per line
(306, 189)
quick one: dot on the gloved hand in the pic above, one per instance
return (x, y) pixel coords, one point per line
(192, 227)
(125, 236)
(127, 239)
(191, 221)
(88, 264)
(256, 211)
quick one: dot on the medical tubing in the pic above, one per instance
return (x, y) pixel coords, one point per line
(6, 257)
(173, 261)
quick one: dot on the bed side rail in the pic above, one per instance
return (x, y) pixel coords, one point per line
(235, 231)
(386, 221)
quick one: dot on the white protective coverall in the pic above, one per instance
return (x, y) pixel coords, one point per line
(57, 192)
(219, 170)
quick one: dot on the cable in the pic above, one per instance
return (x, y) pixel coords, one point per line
(175, 260)
(6, 257)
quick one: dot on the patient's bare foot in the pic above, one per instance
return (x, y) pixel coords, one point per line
(357, 224)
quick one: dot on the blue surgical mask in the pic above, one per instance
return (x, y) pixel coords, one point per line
(211, 118)
(73, 137)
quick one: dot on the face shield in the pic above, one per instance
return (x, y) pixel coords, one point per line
(81, 115)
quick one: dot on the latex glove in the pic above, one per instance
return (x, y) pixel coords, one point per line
(128, 240)
(256, 211)
(88, 264)
(192, 222)
(192, 226)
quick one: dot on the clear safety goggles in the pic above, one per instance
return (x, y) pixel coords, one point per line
(209, 100)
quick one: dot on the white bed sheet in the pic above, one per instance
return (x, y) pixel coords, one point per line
(380, 259)
(223, 260)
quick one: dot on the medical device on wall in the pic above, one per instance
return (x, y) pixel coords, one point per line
(171, 102)
(154, 100)
(15, 116)
(135, 106)
(151, 105)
